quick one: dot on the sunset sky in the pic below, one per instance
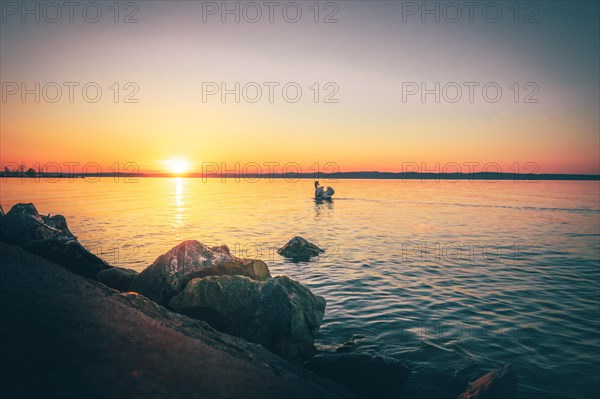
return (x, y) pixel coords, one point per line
(369, 55)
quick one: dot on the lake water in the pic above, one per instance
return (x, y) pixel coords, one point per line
(452, 278)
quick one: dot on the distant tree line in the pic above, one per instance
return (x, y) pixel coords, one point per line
(21, 172)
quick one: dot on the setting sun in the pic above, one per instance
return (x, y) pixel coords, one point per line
(177, 166)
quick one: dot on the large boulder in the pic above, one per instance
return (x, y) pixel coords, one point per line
(117, 278)
(279, 314)
(497, 384)
(23, 224)
(367, 375)
(70, 254)
(170, 272)
(298, 249)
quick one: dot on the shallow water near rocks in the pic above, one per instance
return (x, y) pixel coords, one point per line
(452, 278)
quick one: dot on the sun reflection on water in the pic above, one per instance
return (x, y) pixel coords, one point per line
(178, 214)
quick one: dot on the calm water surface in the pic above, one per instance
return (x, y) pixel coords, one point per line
(454, 279)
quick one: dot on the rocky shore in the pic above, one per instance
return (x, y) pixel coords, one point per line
(198, 322)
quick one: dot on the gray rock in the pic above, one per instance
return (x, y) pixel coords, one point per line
(68, 253)
(117, 278)
(23, 224)
(279, 314)
(298, 249)
(171, 271)
(367, 375)
(497, 384)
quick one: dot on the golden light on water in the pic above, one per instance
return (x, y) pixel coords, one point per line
(179, 211)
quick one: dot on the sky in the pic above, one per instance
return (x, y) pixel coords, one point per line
(359, 85)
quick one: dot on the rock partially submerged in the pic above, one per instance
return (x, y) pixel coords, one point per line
(49, 237)
(365, 374)
(117, 278)
(351, 344)
(298, 249)
(171, 271)
(497, 384)
(280, 314)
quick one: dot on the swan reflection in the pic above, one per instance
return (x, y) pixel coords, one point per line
(323, 208)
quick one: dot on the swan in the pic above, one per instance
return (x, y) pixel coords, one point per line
(321, 193)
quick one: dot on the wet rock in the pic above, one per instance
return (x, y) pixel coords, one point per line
(58, 222)
(279, 314)
(348, 346)
(23, 224)
(117, 278)
(367, 375)
(70, 254)
(497, 384)
(251, 268)
(298, 249)
(171, 271)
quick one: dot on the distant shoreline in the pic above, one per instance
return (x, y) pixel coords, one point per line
(323, 176)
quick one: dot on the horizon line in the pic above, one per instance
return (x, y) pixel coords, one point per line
(366, 175)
